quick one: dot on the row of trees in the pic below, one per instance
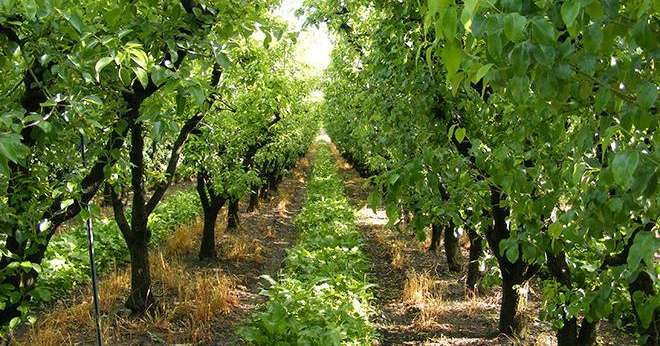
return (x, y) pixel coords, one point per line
(145, 86)
(529, 125)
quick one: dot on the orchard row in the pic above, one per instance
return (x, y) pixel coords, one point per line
(530, 126)
(112, 102)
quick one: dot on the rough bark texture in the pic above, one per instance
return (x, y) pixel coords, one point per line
(211, 205)
(254, 201)
(436, 234)
(476, 250)
(141, 298)
(232, 215)
(452, 251)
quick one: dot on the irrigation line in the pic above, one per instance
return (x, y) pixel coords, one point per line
(90, 250)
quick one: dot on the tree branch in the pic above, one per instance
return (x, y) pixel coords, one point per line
(120, 214)
(177, 148)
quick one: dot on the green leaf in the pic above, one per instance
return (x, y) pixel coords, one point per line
(451, 57)
(103, 62)
(197, 94)
(460, 134)
(543, 31)
(514, 26)
(469, 8)
(554, 230)
(11, 147)
(140, 57)
(569, 11)
(74, 20)
(222, 59)
(647, 94)
(14, 323)
(142, 76)
(483, 70)
(643, 248)
(624, 165)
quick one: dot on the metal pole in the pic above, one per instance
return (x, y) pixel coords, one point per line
(90, 250)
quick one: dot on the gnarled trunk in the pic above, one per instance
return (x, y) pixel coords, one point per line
(141, 298)
(476, 250)
(254, 200)
(232, 215)
(207, 244)
(452, 252)
(436, 234)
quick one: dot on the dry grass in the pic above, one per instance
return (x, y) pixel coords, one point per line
(397, 255)
(182, 241)
(242, 247)
(189, 303)
(422, 292)
(418, 288)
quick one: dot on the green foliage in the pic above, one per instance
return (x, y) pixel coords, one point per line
(67, 263)
(322, 295)
(551, 102)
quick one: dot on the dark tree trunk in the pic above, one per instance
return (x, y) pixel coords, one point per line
(587, 336)
(211, 205)
(644, 285)
(510, 323)
(207, 245)
(254, 200)
(476, 250)
(264, 192)
(452, 252)
(141, 298)
(513, 274)
(567, 335)
(436, 234)
(232, 215)
(272, 183)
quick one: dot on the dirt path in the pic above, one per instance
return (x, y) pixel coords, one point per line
(198, 302)
(418, 301)
(274, 221)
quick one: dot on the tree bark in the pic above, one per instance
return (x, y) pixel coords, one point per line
(232, 215)
(452, 252)
(644, 285)
(141, 298)
(254, 200)
(207, 245)
(587, 336)
(510, 323)
(436, 234)
(567, 335)
(476, 250)
(513, 274)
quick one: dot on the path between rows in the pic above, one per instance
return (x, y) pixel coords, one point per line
(182, 283)
(433, 309)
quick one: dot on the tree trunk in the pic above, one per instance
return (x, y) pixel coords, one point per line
(232, 215)
(207, 245)
(644, 285)
(567, 335)
(453, 253)
(254, 200)
(272, 183)
(587, 336)
(510, 323)
(141, 298)
(436, 234)
(476, 250)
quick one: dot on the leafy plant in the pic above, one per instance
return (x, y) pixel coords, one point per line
(322, 295)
